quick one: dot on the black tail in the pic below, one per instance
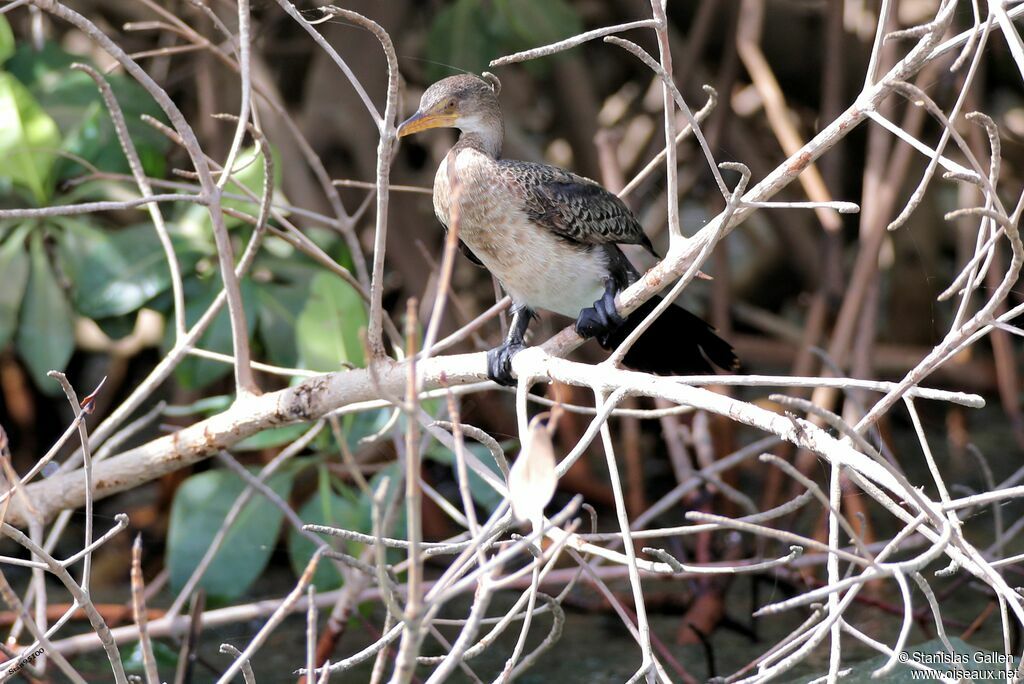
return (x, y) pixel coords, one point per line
(677, 343)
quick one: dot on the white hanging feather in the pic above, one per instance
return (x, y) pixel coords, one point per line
(532, 480)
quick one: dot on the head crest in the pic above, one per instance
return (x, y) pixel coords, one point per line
(492, 81)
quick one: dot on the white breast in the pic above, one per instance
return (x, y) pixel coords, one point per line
(535, 267)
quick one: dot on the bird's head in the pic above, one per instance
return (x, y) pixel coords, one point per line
(466, 102)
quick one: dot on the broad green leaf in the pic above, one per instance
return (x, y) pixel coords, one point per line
(460, 39)
(117, 327)
(483, 493)
(196, 373)
(363, 424)
(28, 138)
(249, 173)
(14, 267)
(206, 406)
(95, 139)
(468, 34)
(47, 73)
(334, 510)
(279, 307)
(131, 655)
(396, 488)
(328, 330)
(273, 437)
(46, 331)
(524, 24)
(6, 40)
(114, 272)
(200, 507)
(74, 102)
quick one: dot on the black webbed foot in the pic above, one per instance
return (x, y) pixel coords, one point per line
(499, 363)
(601, 320)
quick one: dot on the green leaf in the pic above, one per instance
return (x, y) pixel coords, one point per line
(207, 406)
(195, 373)
(74, 102)
(483, 493)
(200, 507)
(47, 73)
(250, 163)
(273, 437)
(327, 333)
(468, 34)
(117, 327)
(114, 272)
(6, 40)
(396, 485)
(46, 331)
(525, 24)
(14, 265)
(460, 39)
(279, 307)
(363, 424)
(95, 140)
(325, 508)
(28, 138)
(166, 657)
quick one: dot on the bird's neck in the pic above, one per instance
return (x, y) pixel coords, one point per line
(483, 134)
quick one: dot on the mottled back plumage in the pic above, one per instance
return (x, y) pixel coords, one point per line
(573, 207)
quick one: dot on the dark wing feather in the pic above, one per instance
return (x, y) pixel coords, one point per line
(468, 253)
(573, 207)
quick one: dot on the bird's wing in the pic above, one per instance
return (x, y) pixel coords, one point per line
(468, 253)
(573, 207)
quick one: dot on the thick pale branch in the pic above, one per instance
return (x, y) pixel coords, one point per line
(308, 401)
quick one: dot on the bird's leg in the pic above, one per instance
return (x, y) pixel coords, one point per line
(499, 359)
(602, 319)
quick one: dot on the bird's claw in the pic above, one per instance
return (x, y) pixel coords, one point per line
(499, 363)
(600, 320)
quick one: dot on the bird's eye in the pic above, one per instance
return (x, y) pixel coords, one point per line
(450, 104)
